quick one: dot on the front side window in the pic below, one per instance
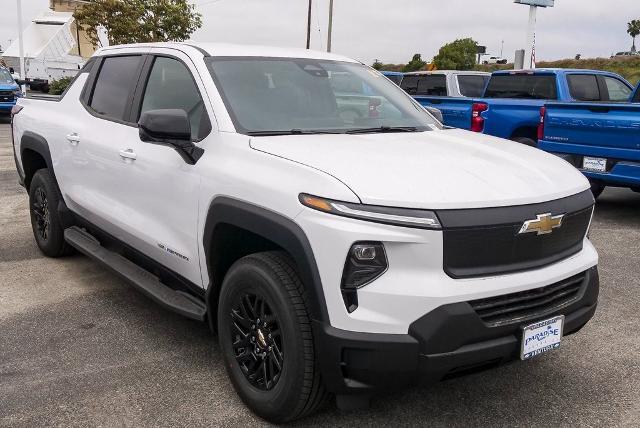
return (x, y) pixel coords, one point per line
(171, 86)
(114, 85)
(618, 90)
(584, 87)
(5, 76)
(524, 86)
(472, 85)
(294, 95)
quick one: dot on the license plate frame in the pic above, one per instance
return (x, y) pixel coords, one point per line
(594, 164)
(544, 336)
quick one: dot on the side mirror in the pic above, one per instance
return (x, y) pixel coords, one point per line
(435, 113)
(11, 70)
(170, 127)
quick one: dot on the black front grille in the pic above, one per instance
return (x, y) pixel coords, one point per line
(486, 242)
(530, 304)
(6, 96)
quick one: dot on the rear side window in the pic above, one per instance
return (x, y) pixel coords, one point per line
(618, 90)
(171, 86)
(524, 86)
(410, 84)
(114, 85)
(584, 87)
(472, 86)
(434, 84)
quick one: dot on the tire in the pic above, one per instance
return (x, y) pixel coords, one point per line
(296, 390)
(44, 197)
(596, 188)
(526, 141)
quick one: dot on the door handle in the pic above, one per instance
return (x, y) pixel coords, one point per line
(73, 138)
(128, 154)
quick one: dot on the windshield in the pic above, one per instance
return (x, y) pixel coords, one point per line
(290, 95)
(5, 76)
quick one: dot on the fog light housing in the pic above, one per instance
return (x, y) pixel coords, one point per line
(366, 262)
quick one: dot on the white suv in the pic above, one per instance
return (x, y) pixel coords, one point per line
(334, 253)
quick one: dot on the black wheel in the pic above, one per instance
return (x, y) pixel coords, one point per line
(527, 141)
(596, 189)
(44, 197)
(266, 340)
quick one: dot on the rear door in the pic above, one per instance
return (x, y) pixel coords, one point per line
(95, 173)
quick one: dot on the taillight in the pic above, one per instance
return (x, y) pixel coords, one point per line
(16, 109)
(477, 121)
(543, 111)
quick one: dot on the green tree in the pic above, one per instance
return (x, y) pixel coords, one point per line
(139, 21)
(633, 28)
(457, 55)
(377, 65)
(415, 64)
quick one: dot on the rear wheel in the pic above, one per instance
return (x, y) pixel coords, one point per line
(44, 198)
(597, 189)
(266, 340)
(527, 141)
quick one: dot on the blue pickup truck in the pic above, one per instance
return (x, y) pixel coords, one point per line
(510, 105)
(600, 139)
(9, 91)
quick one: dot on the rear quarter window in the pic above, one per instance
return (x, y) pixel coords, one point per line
(472, 86)
(522, 86)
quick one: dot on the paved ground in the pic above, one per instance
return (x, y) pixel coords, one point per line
(78, 347)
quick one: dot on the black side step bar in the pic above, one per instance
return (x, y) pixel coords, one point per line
(147, 283)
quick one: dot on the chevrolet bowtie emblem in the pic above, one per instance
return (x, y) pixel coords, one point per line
(543, 224)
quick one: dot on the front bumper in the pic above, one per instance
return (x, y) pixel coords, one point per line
(6, 107)
(448, 341)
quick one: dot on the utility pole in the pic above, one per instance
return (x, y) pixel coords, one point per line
(501, 49)
(330, 25)
(23, 71)
(309, 26)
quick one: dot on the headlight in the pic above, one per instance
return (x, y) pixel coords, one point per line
(422, 219)
(17, 93)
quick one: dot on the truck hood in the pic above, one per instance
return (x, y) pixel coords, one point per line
(441, 169)
(8, 87)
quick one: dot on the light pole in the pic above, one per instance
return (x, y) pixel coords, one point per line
(529, 59)
(23, 72)
(330, 25)
(309, 26)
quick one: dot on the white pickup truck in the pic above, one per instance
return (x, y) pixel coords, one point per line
(333, 254)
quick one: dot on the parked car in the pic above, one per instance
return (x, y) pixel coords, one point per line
(445, 83)
(600, 139)
(9, 91)
(332, 255)
(625, 54)
(495, 60)
(395, 76)
(510, 105)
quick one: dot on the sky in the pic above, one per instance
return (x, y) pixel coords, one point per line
(393, 30)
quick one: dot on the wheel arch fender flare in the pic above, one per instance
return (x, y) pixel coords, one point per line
(280, 230)
(38, 144)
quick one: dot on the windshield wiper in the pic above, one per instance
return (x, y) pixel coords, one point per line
(382, 129)
(290, 132)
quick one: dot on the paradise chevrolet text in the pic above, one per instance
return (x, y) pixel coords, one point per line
(339, 239)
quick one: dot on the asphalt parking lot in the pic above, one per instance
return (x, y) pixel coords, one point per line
(79, 347)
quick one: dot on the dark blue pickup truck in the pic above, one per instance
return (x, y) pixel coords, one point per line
(600, 139)
(510, 106)
(9, 91)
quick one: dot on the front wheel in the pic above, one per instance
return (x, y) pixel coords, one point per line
(266, 339)
(48, 230)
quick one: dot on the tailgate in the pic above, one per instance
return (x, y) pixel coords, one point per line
(456, 112)
(614, 126)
